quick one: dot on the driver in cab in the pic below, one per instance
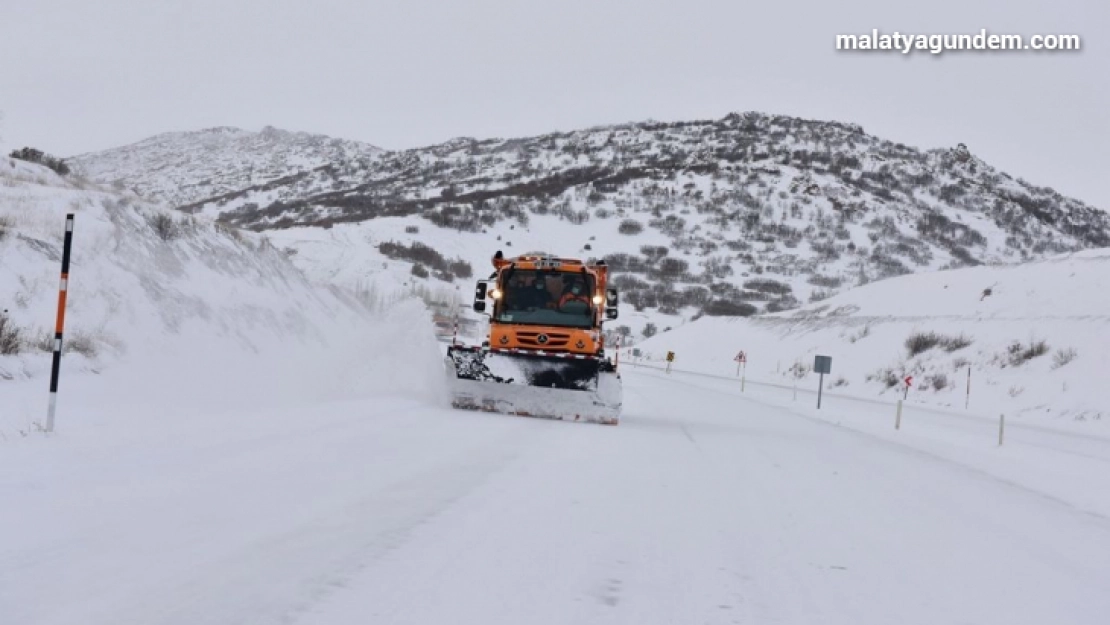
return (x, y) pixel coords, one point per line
(574, 291)
(526, 292)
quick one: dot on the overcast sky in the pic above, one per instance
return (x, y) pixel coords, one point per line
(78, 76)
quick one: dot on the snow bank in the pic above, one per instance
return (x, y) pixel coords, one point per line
(1004, 314)
(176, 314)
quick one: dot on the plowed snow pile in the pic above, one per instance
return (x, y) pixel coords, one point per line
(169, 314)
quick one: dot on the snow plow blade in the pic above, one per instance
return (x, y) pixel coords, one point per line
(530, 385)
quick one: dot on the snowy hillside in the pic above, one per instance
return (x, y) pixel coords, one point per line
(183, 167)
(1036, 338)
(744, 214)
(170, 302)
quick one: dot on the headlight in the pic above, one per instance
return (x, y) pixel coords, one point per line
(495, 294)
(598, 299)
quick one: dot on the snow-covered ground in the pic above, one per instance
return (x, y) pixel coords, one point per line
(703, 506)
(1060, 301)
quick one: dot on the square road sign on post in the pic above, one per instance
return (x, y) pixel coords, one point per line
(822, 364)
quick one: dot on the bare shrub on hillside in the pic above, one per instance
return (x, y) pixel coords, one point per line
(697, 296)
(671, 268)
(31, 155)
(81, 343)
(955, 343)
(422, 254)
(726, 308)
(1018, 354)
(825, 250)
(1063, 357)
(862, 334)
(654, 253)
(6, 226)
(461, 269)
(718, 267)
(670, 225)
(767, 285)
(630, 227)
(786, 302)
(627, 263)
(887, 376)
(922, 342)
(11, 336)
(624, 282)
(165, 227)
(936, 381)
(820, 295)
(799, 369)
(829, 282)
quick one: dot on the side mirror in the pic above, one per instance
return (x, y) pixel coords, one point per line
(612, 301)
(480, 297)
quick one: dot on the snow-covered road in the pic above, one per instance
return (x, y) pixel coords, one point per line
(701, 507)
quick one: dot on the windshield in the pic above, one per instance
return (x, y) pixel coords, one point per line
(547, 298)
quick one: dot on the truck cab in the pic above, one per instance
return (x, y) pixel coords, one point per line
(545, 304)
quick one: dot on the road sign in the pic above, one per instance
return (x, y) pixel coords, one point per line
(909, 382)
(741, 357)
(670, 356)
(822, 364)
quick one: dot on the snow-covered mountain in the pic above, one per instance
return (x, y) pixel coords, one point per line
(184, 167)
(1035, 337)
(744, 214)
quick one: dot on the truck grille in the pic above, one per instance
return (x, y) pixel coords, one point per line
(554, 339)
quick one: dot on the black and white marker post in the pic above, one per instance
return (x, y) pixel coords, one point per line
(60, 326)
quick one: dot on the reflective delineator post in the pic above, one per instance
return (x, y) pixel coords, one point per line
(967, 402)
(59, 327)
(617, 355)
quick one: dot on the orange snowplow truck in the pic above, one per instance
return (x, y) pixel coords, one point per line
(545, 335)
(547, 304)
